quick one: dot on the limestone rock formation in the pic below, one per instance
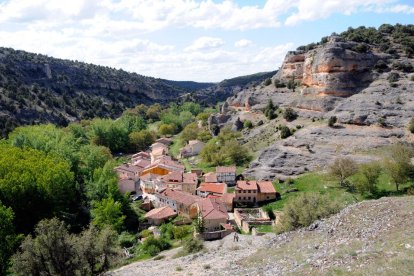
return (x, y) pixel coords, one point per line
(336, 69)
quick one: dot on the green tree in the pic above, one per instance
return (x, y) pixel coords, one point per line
(190, 132)
(342, 168)
(54, 251)
(108, 212)
(51, 252)
(369, 174)
(398, 164)
(140, 140)
(247, 124)
(289, 114)
(104, 184)
(8, 238)
(304, 209)
(285, 132)
(36, 186)
(167, 129)
(154, 112)
(194, 108)
(270, 110)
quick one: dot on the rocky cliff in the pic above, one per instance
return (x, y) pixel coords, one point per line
(365, 80)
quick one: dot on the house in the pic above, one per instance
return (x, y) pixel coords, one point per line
(193, 148)
(228, 199)
(162, 166)
(186, 182)
(128, 186)
(213, 212)
(226, 175)
(246, 192)
(160, 215)
(142, 155)
(211, 189)
(164, 140)
(254, 191)
(128, 171)
(266, 191)
(198, 172)
(210, 177)
(183, 203)
(158, 150)
(150, 183)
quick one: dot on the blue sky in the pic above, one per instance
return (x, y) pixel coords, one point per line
(201, 40)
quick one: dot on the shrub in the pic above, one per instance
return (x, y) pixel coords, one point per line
(268, 81)
(153, 245)
(412, 78)
(270, 110)
(285, 132)
(126, 239)
(279, 84)
(380, 66)
(193, 245)
(145, 233)
(360, 48)
(304, 209)
(382, 122)
(341, 169)
(247, 124)
(403, 66)
(289, 114)
(393, 77)
(332, 120)
(411, 126)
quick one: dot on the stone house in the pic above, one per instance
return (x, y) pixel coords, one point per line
(128, 171)
(150, 183)
(210, 177)
(186, 182)
(226, 175)
(213, 212)
(193, 148)
(183, 203)
(252, 191)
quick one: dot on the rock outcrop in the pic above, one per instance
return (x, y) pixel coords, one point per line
(335, 69)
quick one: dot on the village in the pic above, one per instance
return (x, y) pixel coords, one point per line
(220, 202)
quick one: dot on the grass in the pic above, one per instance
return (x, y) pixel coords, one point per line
(265, 228)
(176, 145)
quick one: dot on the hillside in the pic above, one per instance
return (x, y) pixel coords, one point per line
(369, 238)
(363, 77)
(36, 89)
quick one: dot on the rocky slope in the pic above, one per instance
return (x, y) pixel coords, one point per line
(369, 90)
(368, 238)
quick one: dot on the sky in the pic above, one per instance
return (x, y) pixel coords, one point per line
(198, 40)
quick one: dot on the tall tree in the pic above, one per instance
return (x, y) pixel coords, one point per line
(8, 238)
(342, 168)
(398, 164)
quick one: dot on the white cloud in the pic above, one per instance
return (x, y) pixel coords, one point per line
(205, 43)
(308, 10)
(243, 43)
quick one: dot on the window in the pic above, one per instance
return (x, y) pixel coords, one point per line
(249, 191)
(248, 198)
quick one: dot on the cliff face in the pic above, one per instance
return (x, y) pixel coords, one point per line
(336, 69)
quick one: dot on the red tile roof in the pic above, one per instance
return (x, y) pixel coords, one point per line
(141, 154)
(266, 187)
(231, 169)
(142, 163)
(246, 185)
(166, 162)
(181, 197)
(161, 213)
(210, 177)
(180, 177)
(212, 208)
(128, 168)
(217, 188)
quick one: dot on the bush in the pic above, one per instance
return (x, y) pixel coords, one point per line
(360, 48)
(332, 120)
(247, 124)
(289, 114)
(285, 132)
(126, 239)
(145, 233)
(380, 66)
(393, 77)
(411, 126)
(268, 82)
(193, 245)
(270, 110)
(153, 246)
(304, 209)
